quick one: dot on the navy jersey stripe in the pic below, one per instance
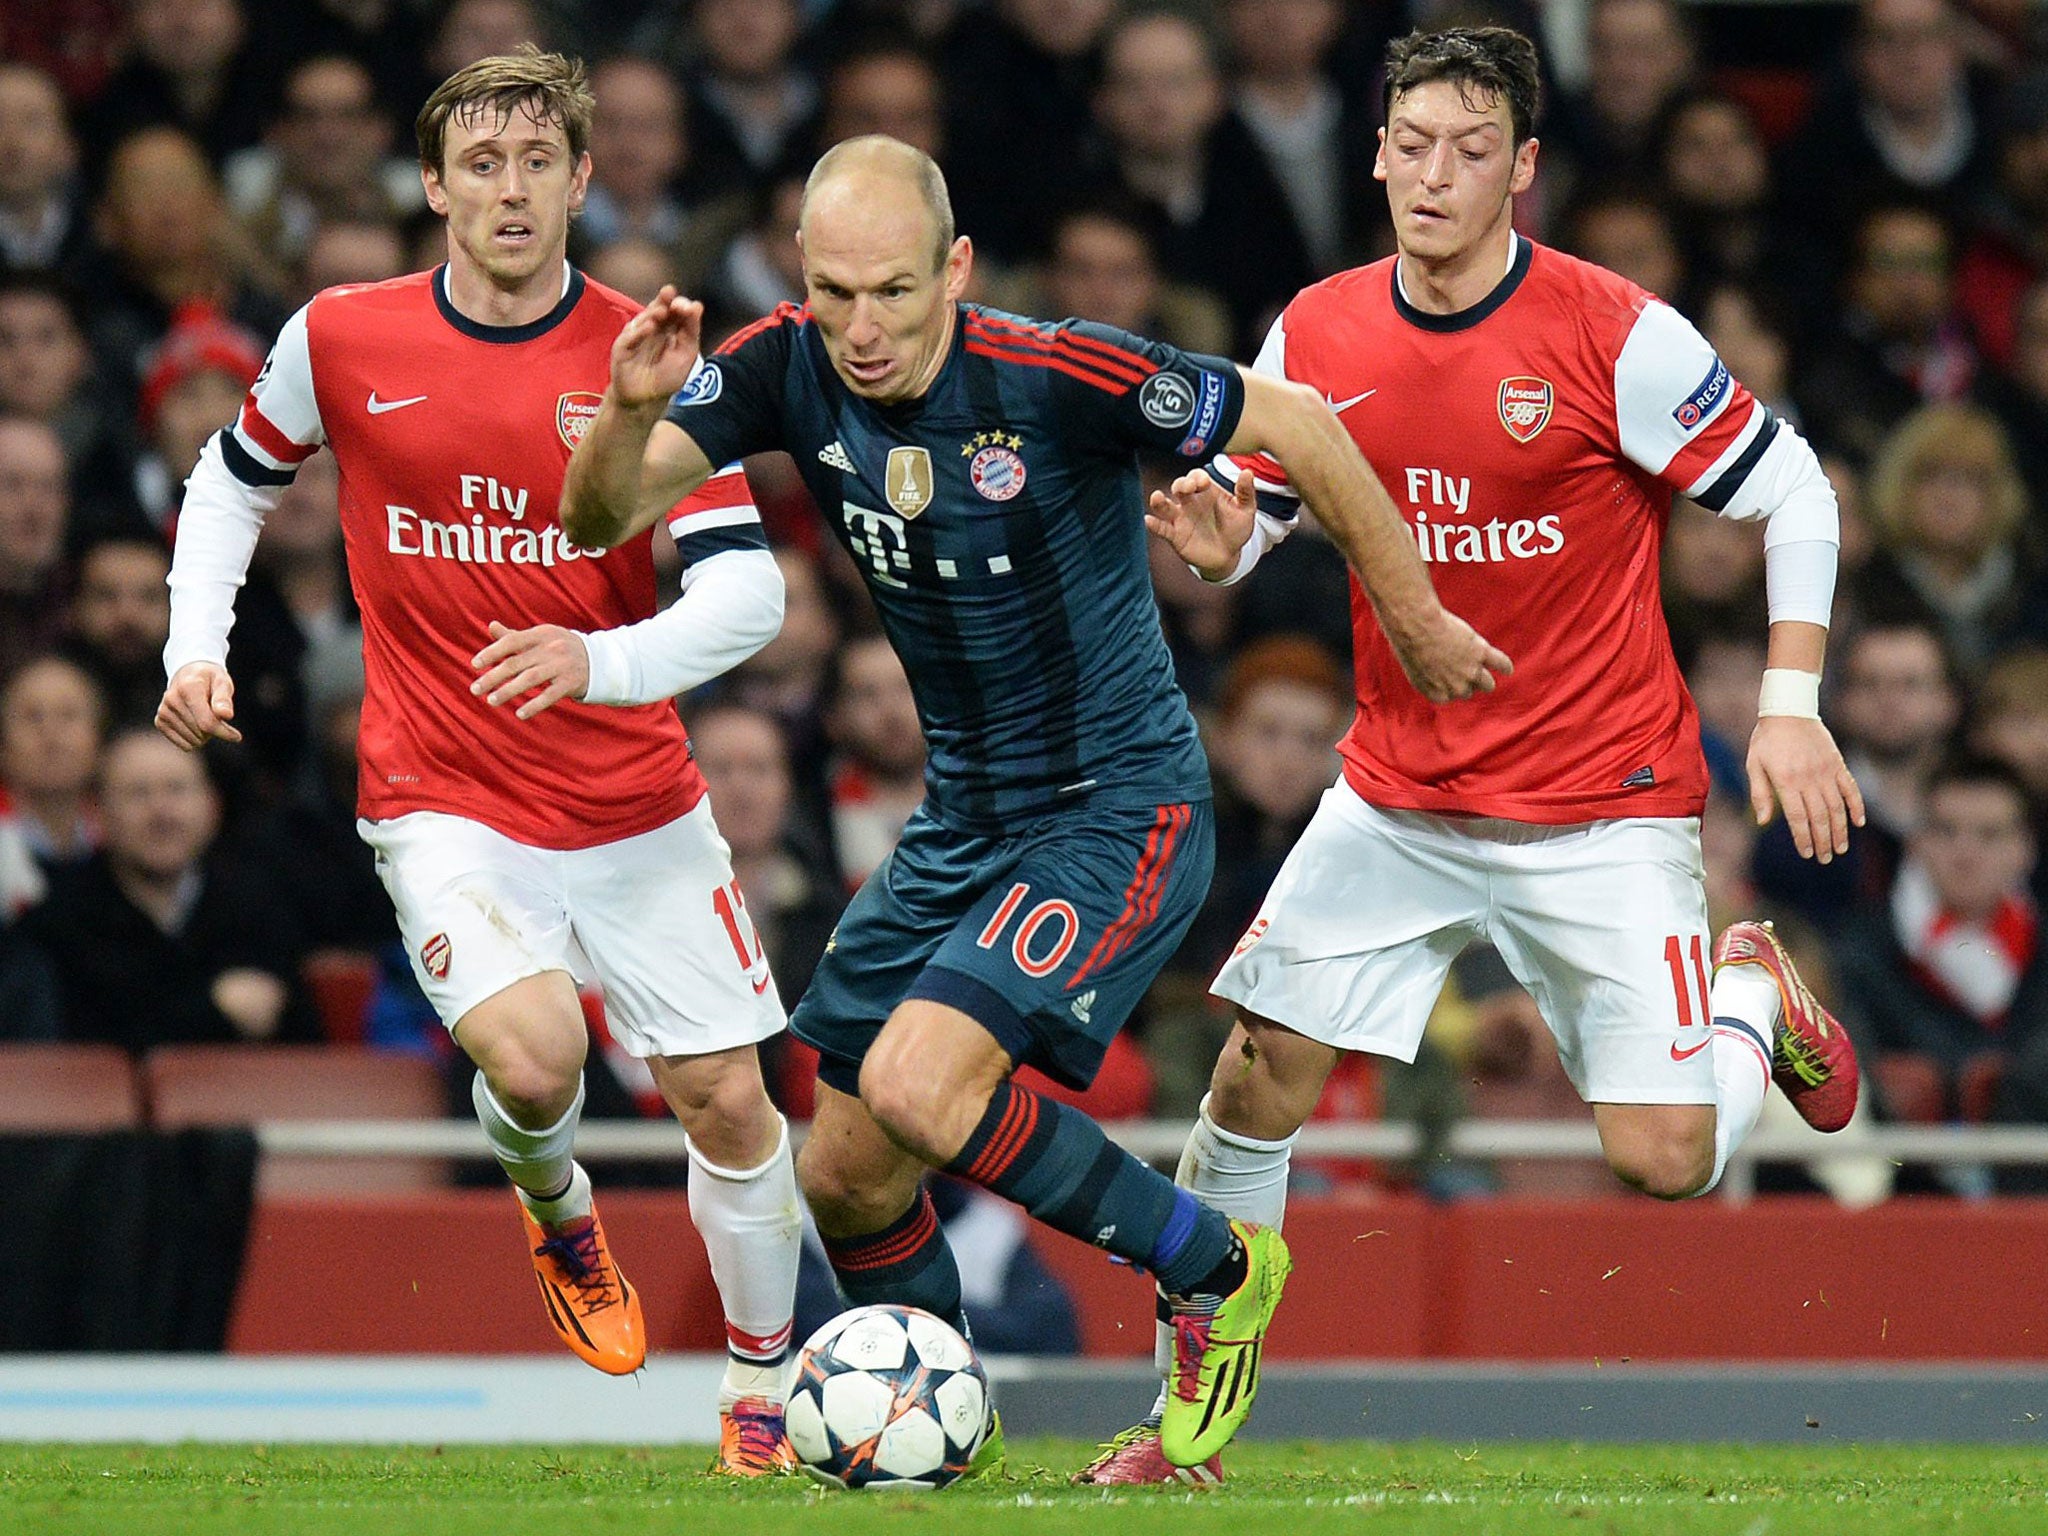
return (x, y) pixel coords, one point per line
(716, 541)
(246, 467)
(1716, 497)
(1056, 651)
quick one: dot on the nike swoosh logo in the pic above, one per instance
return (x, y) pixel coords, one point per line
(1341, 406)
(1678, 1055)
(379, 407)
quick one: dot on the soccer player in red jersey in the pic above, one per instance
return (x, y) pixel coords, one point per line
(529, 791)
(1533, 415)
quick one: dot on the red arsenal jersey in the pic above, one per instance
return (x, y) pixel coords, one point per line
(1533, 442)
(451, 438)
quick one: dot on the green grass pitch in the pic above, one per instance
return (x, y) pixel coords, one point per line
(1293, 1490)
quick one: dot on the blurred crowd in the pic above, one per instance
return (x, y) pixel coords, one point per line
(1862, 235)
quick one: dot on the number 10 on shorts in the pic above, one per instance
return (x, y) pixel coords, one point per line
(1035, 953)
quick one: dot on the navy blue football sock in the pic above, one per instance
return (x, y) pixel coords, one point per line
(1056, 1163)
(907, 1264)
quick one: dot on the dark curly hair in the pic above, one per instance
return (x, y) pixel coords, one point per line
(1489, 64)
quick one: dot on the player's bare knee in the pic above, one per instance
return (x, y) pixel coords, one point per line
(908, 1109)
(535, 1088)
(1673, 1168)
(722, 1103)
(824, 1186)
(842, 1202)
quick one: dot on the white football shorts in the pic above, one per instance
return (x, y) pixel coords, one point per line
(656, 920)
(1604, 922)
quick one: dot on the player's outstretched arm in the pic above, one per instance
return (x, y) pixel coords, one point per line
(198, 706)
(1444, 657)
(631, 466)
(1793, 759)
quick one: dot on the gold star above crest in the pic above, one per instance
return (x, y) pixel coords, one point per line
(996, 439)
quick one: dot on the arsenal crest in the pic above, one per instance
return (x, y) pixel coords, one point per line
(435, 955)
(574, 413)
(1525, 406)
(909, 480)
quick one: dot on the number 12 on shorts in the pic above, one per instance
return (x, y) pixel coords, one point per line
(1681, 984)
(1035, 955)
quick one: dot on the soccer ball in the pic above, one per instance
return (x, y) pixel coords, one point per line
(887, 1397)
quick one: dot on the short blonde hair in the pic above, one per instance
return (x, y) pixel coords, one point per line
(554, 86)
(1952, 435)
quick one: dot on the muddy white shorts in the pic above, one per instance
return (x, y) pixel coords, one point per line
(1604, 922)
(656, 920)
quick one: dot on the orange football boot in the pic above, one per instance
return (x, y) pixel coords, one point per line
(751, 1441)
(589, 1302)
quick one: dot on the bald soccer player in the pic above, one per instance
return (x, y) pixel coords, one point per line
(982, 471)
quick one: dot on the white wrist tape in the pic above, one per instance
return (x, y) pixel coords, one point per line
(1788, 691)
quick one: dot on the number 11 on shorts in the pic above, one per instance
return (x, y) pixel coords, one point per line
(731, 908)
(1680, 983)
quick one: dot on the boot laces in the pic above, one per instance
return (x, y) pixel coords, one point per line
(573, 1250)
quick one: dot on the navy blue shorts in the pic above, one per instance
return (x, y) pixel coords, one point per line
(1047, 938)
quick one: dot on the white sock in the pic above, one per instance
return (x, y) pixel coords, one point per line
(753, 1230)
(1240, 1176)
(1742, 1060)
(537, 1162)
(567, 1206)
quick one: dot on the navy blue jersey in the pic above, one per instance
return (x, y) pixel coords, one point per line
(999, 523)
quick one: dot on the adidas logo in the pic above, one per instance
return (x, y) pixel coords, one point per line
(834, 457)
(1081, 1005)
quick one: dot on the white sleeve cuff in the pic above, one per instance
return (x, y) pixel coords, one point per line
(1799, 580)
(1802, 528)
(1267, 531)
(218, 525)
(731, 606)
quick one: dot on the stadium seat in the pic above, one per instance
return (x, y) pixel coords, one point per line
(243, 1084)
(342, 982)
(1779, 99)
(1912, 1087)
(67, 1088)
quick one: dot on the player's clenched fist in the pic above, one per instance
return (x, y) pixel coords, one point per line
(1446, 658)
(197, 706)
(654, 354)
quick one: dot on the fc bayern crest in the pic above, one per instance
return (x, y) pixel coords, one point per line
(435, 954)
(574, 413)
(998, 473)
(1525, 406)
